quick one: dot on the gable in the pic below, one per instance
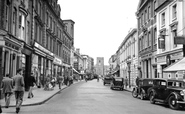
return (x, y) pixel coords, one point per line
(141, 2)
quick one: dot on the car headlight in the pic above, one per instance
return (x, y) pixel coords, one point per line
(182, 92)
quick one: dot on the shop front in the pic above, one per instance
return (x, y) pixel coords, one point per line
(42, 63)
(166, 61)
(57, 66)
(10, 56)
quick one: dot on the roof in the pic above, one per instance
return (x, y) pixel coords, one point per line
(178, 66)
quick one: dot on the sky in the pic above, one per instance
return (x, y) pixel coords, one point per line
(100, 25)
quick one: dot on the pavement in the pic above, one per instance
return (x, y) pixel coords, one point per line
(41, 96)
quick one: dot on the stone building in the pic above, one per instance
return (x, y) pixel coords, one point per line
(147, 35)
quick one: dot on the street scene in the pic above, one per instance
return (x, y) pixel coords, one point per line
(93, 97)
(92, 56)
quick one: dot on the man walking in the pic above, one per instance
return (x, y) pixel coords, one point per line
(7, 87)
(18, 82)
(31, 85)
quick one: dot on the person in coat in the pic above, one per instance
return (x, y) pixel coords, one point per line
(18, 82)
(7, 89)
(32, 81)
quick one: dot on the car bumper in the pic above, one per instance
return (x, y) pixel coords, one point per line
(181, 102)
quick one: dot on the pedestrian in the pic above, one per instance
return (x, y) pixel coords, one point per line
(7, 89)
(31, 83)
(59, 79)
(137, 81)
(18, 82)
(126, 82)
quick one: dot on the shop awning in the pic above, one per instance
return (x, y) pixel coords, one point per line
(76, 71)
(178, 66)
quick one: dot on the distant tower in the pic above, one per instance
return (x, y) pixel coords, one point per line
(100, 65)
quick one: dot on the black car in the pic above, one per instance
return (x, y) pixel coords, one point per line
(142, 88)
(107, 79)
(168, 91)
(118, 83)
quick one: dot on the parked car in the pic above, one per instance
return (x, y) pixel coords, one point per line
(142, 88)
(168, 91)
(117, 82)
(107, 79)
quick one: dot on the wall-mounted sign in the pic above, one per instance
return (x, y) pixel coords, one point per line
(57, 61)
(43, 49)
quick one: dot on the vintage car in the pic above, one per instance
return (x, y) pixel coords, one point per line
(142, 88)
(118, 83)
(168, 91)
(107, 79)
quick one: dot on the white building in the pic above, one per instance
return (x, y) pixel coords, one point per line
(128, 51)
(170, 23)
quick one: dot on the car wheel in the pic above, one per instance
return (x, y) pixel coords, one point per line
(152, 95)
(142, 96)
(172, 102)
(134, 93)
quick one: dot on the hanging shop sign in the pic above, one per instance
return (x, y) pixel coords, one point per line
(57, 61)
(43, 49)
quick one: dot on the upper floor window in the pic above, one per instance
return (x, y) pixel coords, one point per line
(149, 12)
(47, 18)
(22, 22)
(146, 15)
(163, 19)
(39, 8)
(7, 15)
(149, 39)
(174, 11)
(155, 35)
(14, 21)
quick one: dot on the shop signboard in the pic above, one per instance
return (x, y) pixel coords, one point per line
(43, 49)
(57, 61)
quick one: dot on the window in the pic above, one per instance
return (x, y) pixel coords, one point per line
(36, 30)
(50, 21)
(155, 36)
(7, 15)
(40, 35)
(39, 8)
(146, 15)
(14, 21)
(22, 22)
(47, 18)
(174, 33)
(149, 39)
(174, 11)
(146, 41)
(142, 18)
(149, 12)
(163, 19)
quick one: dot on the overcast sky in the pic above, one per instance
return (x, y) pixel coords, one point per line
(100, 25)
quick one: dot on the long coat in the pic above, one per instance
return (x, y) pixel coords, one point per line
(7, 85)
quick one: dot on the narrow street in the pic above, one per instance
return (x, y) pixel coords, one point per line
(93, 97)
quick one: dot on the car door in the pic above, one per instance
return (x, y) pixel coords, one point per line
(162, 89)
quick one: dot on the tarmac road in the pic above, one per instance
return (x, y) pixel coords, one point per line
(93, 97)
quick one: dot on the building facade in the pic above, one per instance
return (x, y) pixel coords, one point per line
(129, 57)
(170, 23)
(15, 37)
(147, 35)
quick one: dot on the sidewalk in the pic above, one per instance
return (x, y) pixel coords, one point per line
(40, 96)
(129, 89)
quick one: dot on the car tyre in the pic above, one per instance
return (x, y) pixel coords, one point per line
(152, 96)
(172, 102)
(134, 93)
